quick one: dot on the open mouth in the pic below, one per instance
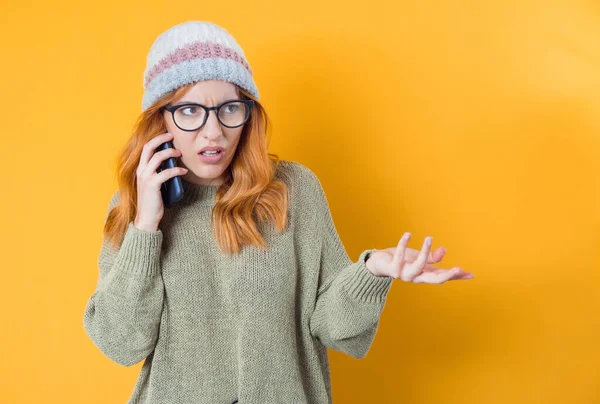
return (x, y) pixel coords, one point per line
(211, 153)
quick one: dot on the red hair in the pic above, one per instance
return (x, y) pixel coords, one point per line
(255, 193)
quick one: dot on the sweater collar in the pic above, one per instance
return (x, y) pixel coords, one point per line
(199, 193)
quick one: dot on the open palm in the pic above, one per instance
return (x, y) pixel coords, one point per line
(412, 265)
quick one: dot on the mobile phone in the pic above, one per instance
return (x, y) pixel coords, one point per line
(171, 189)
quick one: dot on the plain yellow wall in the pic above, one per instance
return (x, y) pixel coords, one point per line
(476, 122)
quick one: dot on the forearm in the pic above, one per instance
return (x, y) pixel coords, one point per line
(347, 311)
(123, 315)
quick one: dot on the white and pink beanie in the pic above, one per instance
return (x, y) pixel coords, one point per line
(194, 51)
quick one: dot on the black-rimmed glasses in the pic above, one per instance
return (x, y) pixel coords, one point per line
(191, 116)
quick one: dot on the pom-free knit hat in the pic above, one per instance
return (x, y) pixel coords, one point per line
(194, 51)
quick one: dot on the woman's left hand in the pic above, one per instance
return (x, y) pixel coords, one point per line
(413, 266)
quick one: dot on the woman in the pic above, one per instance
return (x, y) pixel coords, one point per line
(236, 291)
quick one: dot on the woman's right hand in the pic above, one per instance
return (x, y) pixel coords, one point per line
(150, 207)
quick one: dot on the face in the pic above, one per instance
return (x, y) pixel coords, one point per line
(208, 93)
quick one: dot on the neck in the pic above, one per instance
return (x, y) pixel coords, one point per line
(203, 194)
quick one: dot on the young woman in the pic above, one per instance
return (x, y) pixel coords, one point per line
(236, 291)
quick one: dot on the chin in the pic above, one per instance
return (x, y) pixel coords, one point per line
(207, 171)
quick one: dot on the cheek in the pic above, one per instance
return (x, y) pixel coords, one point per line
(236, 136)
(169, 124)
(184, 145)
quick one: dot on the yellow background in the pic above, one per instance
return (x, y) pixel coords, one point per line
(476, 122)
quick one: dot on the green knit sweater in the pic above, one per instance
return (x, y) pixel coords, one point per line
(213, 328)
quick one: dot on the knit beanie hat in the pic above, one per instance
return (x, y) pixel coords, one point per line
(194, 51)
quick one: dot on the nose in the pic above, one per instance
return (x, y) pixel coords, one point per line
(212, 128)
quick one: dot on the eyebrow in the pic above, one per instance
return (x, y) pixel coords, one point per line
(194, 102)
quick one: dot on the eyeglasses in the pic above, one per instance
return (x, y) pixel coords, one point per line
(191, 116)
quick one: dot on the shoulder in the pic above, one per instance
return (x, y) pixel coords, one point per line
(297, 175)
(114, 200)
(305, 189)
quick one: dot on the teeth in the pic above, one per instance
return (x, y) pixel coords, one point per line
(210, 153)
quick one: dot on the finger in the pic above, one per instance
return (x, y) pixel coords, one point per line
(150, 147)
(431, 268)
(411, 254)
(437, 255)
(411, 270)
(434, 256)
(159, 157)
(170, 173)
(399, 254)
(463, 275)
(437, 277)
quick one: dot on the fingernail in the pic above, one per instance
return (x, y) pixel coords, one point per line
(428, 240)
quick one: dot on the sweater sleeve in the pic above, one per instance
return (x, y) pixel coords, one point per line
(123, 314)
(349, 299)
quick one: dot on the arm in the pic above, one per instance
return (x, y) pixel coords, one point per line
(349, 298)
(123, 314)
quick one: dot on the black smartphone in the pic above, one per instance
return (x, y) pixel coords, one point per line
(171, 189)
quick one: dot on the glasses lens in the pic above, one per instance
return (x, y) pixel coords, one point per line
(189, 117)
(233, 113)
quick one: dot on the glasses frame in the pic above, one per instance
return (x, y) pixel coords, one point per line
(173, 108)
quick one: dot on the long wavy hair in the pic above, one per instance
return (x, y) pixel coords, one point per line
(250, 191)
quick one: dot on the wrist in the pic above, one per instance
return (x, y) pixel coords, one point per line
(370, 262)
(144, 226)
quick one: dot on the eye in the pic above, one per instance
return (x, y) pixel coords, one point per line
(231, 108)
(190, 110)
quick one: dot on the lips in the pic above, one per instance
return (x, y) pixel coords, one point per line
(212, 148)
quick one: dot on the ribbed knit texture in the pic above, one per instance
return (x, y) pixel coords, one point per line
(255, 327)
(194, 51)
